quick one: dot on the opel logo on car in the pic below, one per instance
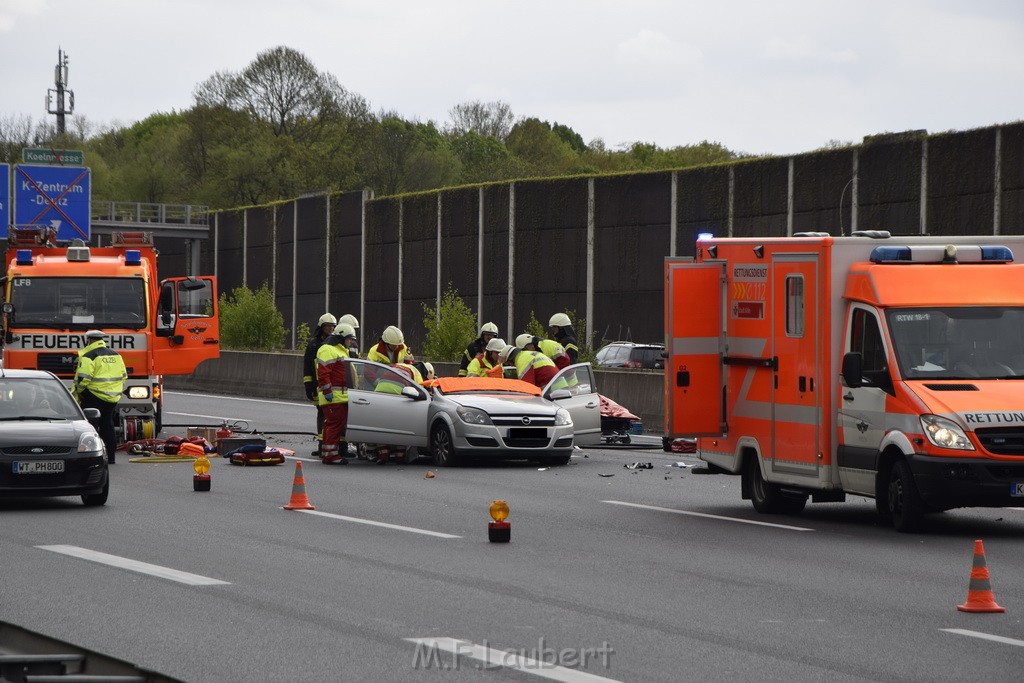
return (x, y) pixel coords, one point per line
(526, 419)
(37, 450)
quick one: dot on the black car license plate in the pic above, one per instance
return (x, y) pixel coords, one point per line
(527, 433)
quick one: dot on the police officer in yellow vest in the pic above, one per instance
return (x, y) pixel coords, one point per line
(99, 382)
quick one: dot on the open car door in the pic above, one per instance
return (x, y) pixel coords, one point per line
(186, 328)
(385, 406)
(583, 403)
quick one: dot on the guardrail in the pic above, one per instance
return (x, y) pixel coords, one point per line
(140, 212)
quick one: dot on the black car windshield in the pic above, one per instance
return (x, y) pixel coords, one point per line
(959, 342)
(36, 398)
(79, 302)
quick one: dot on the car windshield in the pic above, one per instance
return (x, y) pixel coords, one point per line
(33, 398)
(461, 385)
(79, 302)
(958, 342)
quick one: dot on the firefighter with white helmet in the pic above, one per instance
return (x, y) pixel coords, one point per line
(391, 348)
(332, 392)
(486, 363)
(549, 347)
(531, 366)
(488, 331)
(561, 331)
(324, 327)
(350, 319)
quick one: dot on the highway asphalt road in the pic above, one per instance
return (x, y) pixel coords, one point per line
(654, 574)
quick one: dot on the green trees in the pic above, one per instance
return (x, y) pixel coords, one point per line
(280, 127)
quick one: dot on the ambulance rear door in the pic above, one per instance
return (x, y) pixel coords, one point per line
(694, 375)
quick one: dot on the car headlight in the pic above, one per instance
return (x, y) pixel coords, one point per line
(473, 416)
(138, 392)
(90, 442)
(945, 433)
(562, 417)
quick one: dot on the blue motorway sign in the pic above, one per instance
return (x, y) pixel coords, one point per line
(53, 196)
(5, 197)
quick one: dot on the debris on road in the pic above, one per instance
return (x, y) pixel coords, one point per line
(639, 466)
(605, 475)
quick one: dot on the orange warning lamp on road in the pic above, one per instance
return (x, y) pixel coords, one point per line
(499, 530)
(201, 480)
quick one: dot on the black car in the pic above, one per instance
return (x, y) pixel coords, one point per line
(47, 446)
(623, 354)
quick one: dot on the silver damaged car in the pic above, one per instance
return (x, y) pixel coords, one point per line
(460, 418)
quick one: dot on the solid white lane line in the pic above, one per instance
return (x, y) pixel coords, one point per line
(427, 649)
(373, 522)
(704, 514)
(134, 565)
(207, 417)
(984, 636)
(238, 398)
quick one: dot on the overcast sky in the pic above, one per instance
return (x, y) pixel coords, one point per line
(758, 76)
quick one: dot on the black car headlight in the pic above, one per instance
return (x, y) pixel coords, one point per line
(473, 416)
(90, 442)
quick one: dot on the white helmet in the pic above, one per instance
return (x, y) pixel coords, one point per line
(495, 345)
(524, 339)
(392, 335)
(506, 352)
(344, 330)
(326, 319)
(95, 334)
(350, 319)
(489, 328)
(430, 370)
(559, 320)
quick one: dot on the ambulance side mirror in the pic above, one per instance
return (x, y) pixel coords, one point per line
(853, 370)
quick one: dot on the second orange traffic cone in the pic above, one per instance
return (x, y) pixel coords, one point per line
(299, 501)
(979, 595)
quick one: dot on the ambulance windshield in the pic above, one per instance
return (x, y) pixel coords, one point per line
(958, 342)
(78, 303)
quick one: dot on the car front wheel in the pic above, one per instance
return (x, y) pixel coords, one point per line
(442, 446)
(96, 499)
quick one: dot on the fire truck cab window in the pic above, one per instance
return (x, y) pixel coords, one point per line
(79, 302)
(794, 306)
(866, 339)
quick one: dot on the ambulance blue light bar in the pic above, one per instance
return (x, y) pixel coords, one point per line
(935, 253)
(132, 257)
(24, 257)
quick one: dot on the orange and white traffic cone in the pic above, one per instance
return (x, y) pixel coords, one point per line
(979, 595)
(299, 501)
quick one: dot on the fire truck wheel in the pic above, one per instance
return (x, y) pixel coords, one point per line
(766, 497)
(905, 505)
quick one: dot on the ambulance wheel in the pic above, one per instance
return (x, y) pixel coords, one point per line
(905, 505)
(766, 497)
(442, 446)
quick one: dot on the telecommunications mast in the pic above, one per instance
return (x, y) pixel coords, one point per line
(60, 100)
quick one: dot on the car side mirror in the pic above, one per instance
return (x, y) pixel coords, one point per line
(91, 413)
(853, 370)
(413, 393)
(559, 394)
